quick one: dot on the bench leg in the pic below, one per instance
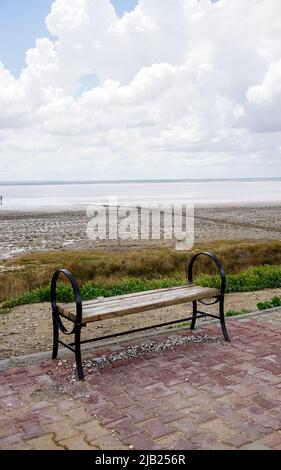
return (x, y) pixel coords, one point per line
(222, 320)
(55, 338)
(78, 359)
(194, 316)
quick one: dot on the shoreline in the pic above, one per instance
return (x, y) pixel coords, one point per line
(76, 208)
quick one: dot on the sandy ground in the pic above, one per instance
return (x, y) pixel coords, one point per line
(28, 328)
(30, 232)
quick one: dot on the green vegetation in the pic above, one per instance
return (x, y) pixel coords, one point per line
(275, 302)
(250, 266)
(90, 291)
(257, 278)
(234, 313)
(105, 268)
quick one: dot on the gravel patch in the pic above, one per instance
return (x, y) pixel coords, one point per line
(139, 351)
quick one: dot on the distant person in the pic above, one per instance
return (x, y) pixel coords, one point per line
(1, 200)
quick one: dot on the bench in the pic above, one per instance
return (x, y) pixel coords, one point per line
(80, 314)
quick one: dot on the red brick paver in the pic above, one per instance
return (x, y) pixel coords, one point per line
(196, 396)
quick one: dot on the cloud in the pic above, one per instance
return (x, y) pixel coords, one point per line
(186, 88)
(270, 89)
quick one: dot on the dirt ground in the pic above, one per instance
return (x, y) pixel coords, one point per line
(28, 328)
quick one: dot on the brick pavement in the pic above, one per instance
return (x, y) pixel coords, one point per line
(197, 396)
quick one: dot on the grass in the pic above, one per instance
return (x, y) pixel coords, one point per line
(89, 291)
(266, 304)
(235, 313)
(252, 279)
(250, 266)
(34, 271)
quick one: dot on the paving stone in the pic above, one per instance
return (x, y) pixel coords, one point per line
(11, 401)
(43, 379)
(34, 369)
(43, 443)
(142, 440)
(199, 414)
(156, 428)
(22, 414)
(213, 389)
(257, 445)
(241, 390)
(6, 390)
(19, 379)
(78, 416)
(49, 415)
(185, 388)
(10, 440)
(175, 401)
(77, 443)
(220, 427)
(179, 444)
(107, 442)
(18, 446)
(108, 414)
(62, 429)
(125, 428)
(186, 425)
(94, 403)
(148, 400)
(40, 405)
(7, 428)
(65, 405)
(14, 371)
(122, 401)
(198, 396)
(263, 402)
(138, 413)
(204, 440)
(160, 390)
(273, 439)
(242, 437)
(112, 391)
(32, 428)
(92, 430)
(168, 415)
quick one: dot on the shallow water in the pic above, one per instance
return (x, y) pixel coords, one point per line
(32, 196)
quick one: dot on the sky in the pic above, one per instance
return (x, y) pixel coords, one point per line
(135, 89)
(22, 22)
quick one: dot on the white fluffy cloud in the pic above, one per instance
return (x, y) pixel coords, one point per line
(270, 89)
(187, 88)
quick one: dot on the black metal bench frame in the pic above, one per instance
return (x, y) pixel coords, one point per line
(75, 346)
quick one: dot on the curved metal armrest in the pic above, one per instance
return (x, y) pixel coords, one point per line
(76, 292)
(219, 266)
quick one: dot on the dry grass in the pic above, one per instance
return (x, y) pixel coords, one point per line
(35, 270)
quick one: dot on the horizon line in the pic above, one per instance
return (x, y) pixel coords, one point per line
(136, 181)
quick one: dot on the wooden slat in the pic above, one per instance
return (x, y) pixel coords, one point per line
(150, 296)
(134, 303)
(105, 300)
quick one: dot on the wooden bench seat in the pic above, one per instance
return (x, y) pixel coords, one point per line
(81, 313)
(112, 307)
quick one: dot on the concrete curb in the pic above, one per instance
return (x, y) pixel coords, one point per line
(114, 343)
